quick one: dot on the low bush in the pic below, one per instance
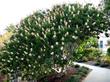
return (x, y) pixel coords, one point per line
(106, 59)
(92, 53)
(89, 54)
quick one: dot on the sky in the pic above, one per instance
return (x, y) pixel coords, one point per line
(12, 11)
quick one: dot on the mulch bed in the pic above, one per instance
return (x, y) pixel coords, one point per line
(62, 77)
(57, 77)
(102, 64)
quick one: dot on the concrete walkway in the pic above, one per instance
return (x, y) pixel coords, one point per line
(97, 74)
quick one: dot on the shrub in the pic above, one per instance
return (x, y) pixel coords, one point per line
(92, 53)
(88, 49)
(108, 51)
(37, 47)
(88, 54)
(105, 59)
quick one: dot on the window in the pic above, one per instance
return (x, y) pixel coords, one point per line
(101, 44)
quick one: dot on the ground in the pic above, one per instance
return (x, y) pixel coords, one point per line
(98, 74)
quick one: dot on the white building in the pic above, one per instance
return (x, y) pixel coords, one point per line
(104, 42)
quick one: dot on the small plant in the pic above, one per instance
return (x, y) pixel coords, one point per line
(83, 69)
(82, 74)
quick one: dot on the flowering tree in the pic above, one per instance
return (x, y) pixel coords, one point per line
(40, 45)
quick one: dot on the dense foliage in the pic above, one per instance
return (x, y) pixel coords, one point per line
(88, 49)
(44, 40)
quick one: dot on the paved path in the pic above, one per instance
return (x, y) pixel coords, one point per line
(97, 74)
